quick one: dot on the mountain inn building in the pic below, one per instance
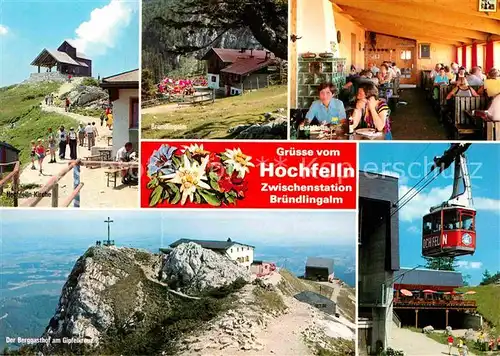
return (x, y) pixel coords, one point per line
(236, 251)
(61, 62)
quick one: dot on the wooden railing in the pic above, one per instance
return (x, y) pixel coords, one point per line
(52, 186)
(12, 177)
(436, 303)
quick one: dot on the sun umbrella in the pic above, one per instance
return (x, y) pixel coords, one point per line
(429, 291)
(470, 292)
(406, 293)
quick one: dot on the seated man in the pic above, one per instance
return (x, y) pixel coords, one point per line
(126, 154)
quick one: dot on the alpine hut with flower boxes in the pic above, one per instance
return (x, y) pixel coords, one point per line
(236, 251)
(235, 70)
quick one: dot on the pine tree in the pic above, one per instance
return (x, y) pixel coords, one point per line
(441, 263)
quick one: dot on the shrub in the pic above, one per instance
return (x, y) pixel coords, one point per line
(91, 82)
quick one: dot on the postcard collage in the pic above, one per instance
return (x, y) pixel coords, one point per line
(250, 177)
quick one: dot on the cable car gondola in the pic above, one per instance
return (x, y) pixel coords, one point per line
(449, 228)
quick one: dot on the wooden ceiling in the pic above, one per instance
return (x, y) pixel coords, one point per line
(454, 22)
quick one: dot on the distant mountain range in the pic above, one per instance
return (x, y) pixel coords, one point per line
(32, 276)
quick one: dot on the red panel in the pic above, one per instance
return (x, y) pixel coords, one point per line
(474, 54)
(453, 240)
(490, 59)
(282, 175)
(464, 56)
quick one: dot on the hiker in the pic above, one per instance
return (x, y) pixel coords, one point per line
(51, 139)
(69, 78)
(109, 120)
(40, 153)
(450, 344)
(51, 99)
(96, 133)
(81, 134)
(126, 154)
(89, 132)
(72, 143)
(67, 104)
(465, 350)
(63, 141)
(46, 100)
(460, 346)
(33, 154)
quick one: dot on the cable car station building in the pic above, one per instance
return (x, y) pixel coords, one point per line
(427, 297)
(378, 245)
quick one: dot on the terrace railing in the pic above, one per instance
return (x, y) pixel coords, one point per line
(11, 177)
(435, 303)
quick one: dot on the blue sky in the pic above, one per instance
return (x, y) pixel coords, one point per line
(484, 167)
(273, 228)
(107, 31)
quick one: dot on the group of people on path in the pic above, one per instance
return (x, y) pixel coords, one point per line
(75, 138)
(482, 344)
(107, 116)
(49, 99)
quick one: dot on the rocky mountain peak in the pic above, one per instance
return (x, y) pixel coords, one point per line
(191, 268)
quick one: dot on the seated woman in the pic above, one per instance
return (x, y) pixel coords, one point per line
(384, 76)
(439, 80)
(327, 107)
(462, 88)
(370, 111)
(492, 75)
(449, 74)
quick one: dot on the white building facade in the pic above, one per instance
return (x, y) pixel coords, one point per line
(243, 254)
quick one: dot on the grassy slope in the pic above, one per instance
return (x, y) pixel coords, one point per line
(213, 120)
(19, 104)
(488, 305)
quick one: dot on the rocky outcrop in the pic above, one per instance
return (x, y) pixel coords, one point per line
(275, 128)
(193, 269)
(86, 308)
(87, 96)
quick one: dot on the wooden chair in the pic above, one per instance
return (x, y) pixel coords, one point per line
(465, 125)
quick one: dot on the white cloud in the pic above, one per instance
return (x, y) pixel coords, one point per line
(469, 265)
(102, 30)
(3, 30)
(413, 229)
(420, 204)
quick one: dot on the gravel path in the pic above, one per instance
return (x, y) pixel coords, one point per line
(95, 192)
(418, 344)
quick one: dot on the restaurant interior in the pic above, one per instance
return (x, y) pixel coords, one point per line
(337, 40)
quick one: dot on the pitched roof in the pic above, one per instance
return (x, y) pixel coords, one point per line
(428, 277)
(9, 146)
(320, 262)
(131, 76)
(210, 244)
(313, 298)
(229, 55)
(248, 65)
(61, 57)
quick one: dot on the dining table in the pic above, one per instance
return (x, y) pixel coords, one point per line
(342, 133)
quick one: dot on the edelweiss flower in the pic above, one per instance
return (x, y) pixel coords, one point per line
(196, 150)
(190, 177)
(239, 161)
